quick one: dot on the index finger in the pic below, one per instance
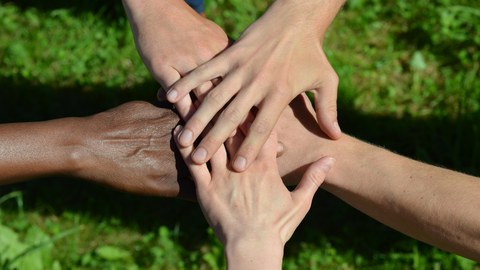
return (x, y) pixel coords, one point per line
(258, 132)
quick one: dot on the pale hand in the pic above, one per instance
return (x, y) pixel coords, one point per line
(277, 58)
(172, 40)
(253, 213)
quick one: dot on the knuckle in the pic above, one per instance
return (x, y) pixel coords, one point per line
(202, 69)
(195, 124)
(260, 127)
(215, 97)
(317, 177)
(211, 142)
(333, 77)
(283, 94)
(232, 114)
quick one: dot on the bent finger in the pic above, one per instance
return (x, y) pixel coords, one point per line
(200, 173)
(326, 108)
(258, 132)
(212, 103)
(217, 67)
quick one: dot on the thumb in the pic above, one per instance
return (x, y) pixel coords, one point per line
(326, 108)
(312, 179)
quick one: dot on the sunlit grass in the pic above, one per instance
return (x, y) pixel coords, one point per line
(407, 81)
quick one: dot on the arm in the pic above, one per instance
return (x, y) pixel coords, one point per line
(127, 148)
(253, 213)
(275, 59)
(434, 205)
(173, 39)
(36, 149)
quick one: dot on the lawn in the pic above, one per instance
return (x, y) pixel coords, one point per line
(409, 81)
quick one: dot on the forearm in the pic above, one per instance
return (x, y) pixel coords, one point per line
(30, 150)
(431, 204)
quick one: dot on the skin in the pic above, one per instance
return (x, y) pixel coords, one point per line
(128, 148)
(253, 213)
(172, 40)
(264, 69)
(431, 204)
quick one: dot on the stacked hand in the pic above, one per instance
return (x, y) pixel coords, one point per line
(277, 58)
(252, 212)
(129, 148)
(173, 40)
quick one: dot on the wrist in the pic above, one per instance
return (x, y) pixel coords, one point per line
(254, 251)
(313, 15)
(75, 155)
(355, 158)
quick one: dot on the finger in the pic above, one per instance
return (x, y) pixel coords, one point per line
(312, 179)
(326, 108)
(233, 143)
(219, 160)
(202, 90)
(200, 173)
(269, 149)
(214, 68)
(258, 132)
(167, 76)
(185, 107)
(211, 104)
(227, 122)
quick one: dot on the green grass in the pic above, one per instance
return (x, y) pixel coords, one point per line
(409, 81)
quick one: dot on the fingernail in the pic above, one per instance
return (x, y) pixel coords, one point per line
(280, 149)
(240, 163)
(336, 126)
(327, 164)
(185, 137)
(172, 95)
(177, 130)
(199, 155)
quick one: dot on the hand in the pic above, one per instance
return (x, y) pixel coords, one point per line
(277, 58)
(302, 140)
(130, 148)
(172, 40)
(252, 213)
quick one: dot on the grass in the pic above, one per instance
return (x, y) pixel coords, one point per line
(409, 81)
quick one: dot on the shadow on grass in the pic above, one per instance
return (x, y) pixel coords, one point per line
(109, 9)
(444, 142)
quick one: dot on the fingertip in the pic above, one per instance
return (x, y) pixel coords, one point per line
(326, 164)
(336, 131)
(319, 169)
(199, 156)
(329, 125)
(185, 137)
(177, 130)
(240, 164)
(172, 95)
